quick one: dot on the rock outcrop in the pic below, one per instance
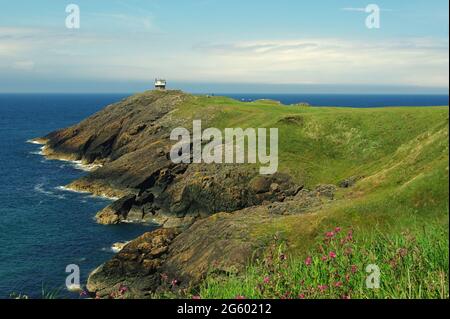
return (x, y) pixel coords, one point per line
(171, 260)
(131, 141)
(136, 266)
(207, 211)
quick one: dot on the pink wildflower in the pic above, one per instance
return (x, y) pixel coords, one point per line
(349, 235)
(322, 288)
(123, 289)
(329, 234)
(308, 261)
(332, 254)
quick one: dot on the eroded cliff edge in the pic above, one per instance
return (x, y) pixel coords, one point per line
(207, 211)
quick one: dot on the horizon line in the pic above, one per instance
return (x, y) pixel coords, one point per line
(221, 93)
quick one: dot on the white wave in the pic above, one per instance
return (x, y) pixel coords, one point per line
(74, 288)
(104, 197)
(86, 167)
(80, 165)
(40, 152)
(68, 189)
(35, 142)
(107, 249)
(39, 188)
(117, 247)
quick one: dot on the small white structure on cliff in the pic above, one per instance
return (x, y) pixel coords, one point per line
(160, 84)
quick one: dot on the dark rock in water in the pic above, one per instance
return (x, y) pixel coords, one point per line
(349, 182)
(136, 266)
(149, 264)
(117, 211)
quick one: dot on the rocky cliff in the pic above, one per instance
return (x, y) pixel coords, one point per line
(206, 211)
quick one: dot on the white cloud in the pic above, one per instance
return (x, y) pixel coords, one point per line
(420, 61)
(80, 55)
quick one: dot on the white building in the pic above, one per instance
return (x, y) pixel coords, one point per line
(160, 84)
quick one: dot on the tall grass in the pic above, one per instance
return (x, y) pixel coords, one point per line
(412, 265)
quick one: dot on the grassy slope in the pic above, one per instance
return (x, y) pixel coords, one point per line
(402, 152)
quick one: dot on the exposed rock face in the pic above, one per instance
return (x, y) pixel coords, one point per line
(326, 190)
(131, 140)
(208, 211)
(135, 266)
(117, 211)
(303, 201)
(220, 243)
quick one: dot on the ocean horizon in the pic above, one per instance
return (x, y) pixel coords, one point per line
(356, 100)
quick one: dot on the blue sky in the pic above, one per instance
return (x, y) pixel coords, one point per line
(224, 46)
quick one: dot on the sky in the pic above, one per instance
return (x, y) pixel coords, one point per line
(228, 46)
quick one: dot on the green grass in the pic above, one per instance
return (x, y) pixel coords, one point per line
(326, 144)
(46, 293)
(412, 264)
(402, 153)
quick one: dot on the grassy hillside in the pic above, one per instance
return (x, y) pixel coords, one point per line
(259, 236)
(400, 204)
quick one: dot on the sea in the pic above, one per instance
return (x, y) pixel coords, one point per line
(43, 227)
(349, 100)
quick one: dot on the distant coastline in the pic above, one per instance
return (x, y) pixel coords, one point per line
(356, 100)
(348, 100)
